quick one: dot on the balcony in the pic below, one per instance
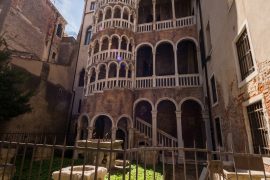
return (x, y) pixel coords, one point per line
(126, 2)
(114, 23)
(167, 24)
(183, 81)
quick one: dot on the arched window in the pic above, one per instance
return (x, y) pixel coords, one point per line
(81, 78)
(96, 49)
(145, 14)
(124, 43)
(93, 76)
(125, 14)
(108, 14)
(102, 72)
(88, 36)
(115, 42)
(59, 30)
(144, 61)
(122, 70)
(165, 63)
(105, 44)
(112, 70)
(117, 13)
(163, 10)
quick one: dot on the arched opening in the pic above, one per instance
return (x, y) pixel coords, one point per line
(122, 131)
(88, 36)
(132, 18)
(84, 128)
(92, 75)
(102, 128)
(115, 42)
(183, 8)
(105, 44)
(96, 48)
(163, 10)
(130, 46)
(144, 61)
(187, 57)
(102, 72)
(143, 111)
(125, 14)
(100, 16)
(166, 117)
(193, 127)
(165, 63)
(124, 43)
(117, 12)
(145, 12)
(81, 78)
(112, 70)
(108, 14)
(122, 70)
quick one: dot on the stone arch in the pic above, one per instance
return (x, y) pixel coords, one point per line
(100, 15)
(143, 109)
(92, 74)
(193, 125)
(102, 125)
(191, 98)
(125, 12)
(117, 11)
(102, 70)
(123, 69)
(187, 59)
(189, 38)
(143, 44)
(108, 12)
(168, 99)
(82, 129)
(115, 41)
(130, 122)
(144, 61)
(165, 58)
(143, 99)
(96, 46)
(112, 69)
(105, 42)
(166, 117)
(124, 42)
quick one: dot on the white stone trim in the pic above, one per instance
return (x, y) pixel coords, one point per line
(167, 99)
(253, 100)
(252, 75)
(93, 120)
(194, 99)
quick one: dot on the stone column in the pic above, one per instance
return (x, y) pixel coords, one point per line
(173, 11)
(97, 73)
(130, 137)
(87, 84)
(154, 128)
(154, 69)
(154, 14)
(206, 120)
(114, 129)
(176, 66)
(90, 132)
(179, 129)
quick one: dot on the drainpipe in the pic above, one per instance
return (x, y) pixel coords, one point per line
(74, 77)
(52, 39)
(204, 64)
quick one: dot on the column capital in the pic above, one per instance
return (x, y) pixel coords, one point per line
(178, 113)
(154, 112)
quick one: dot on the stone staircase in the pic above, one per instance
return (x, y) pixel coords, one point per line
(143, 131)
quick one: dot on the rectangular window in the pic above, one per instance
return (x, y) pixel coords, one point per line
(208, 38)
(92, 6)
(258, 127)
(244, 54)
(218, 132)
(213, 89)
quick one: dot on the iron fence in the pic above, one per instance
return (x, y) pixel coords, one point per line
(35, 159)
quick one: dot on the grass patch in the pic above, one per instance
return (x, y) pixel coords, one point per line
(118, 174)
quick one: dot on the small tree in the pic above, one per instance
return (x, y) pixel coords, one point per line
(14, 100)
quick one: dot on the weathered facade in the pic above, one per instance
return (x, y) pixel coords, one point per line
(238, 53)
(34, 31)
(144, 75)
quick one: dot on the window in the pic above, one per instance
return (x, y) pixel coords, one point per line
(218, 132)
(213, 89)
(208, 38)
(245, 59)
(92, 6)
(53, 55)
(59, 30)
(88, 36)
(258, 127)
(81, 78)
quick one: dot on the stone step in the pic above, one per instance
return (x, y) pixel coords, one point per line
(120, 162)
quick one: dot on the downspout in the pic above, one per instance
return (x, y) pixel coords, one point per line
(74, 77)
(52, 39)
(204, 64)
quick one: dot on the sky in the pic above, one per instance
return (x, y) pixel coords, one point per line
(72, 11)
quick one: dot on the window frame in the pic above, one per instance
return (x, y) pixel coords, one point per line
(212, 98)
(241, 82)
(221, 132)
(247, 103)
(89, 28)
(94, 6)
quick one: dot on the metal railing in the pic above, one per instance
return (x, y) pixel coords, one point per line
(27, 159)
